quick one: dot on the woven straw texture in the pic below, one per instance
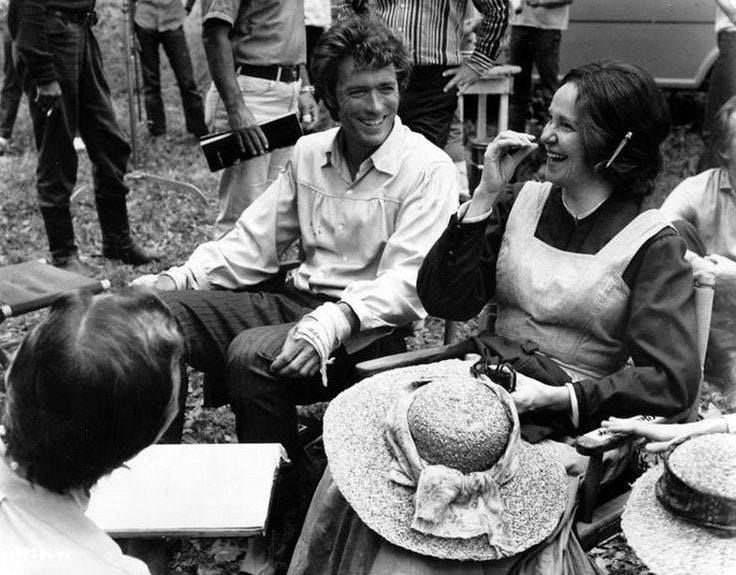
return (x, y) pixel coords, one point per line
(359, 461)
(669, 545)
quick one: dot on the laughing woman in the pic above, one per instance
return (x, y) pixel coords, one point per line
(575, 264)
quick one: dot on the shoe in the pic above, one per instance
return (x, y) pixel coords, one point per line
(133, 255)
(4, 145)
(71, 264)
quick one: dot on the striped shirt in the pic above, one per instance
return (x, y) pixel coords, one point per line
(433, 29)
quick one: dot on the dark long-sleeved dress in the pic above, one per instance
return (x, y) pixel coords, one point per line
(459, 277)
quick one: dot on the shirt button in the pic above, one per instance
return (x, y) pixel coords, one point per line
(349, 192)
(345, 258)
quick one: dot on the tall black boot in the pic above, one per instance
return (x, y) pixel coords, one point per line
(116, 241)
(60, 233)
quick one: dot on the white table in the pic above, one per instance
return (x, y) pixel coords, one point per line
(189, 490)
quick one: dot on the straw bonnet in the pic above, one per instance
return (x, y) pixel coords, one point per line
(431, 459)
(681, 517)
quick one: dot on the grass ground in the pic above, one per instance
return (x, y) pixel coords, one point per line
(173, 223)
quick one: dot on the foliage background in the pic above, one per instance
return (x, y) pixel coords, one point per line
(174, 223)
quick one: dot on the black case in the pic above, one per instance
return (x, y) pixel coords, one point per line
(221, 150)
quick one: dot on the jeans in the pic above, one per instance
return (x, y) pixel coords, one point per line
(11, 92)
(242, 183)
(85, 107)
(174, 43)
(531, 47)
(425, 108)
(722, 87)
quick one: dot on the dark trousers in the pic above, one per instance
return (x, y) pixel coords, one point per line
(234, 336)
(721, 87)
(531, 47)
(11, 92)
(174, 43)
(85, 107)
(425, 108)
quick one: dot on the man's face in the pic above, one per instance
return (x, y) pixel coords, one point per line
(367, 101)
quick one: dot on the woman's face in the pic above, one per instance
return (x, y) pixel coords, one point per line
(566, 163)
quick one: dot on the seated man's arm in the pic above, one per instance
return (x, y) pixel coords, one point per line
(246, 255)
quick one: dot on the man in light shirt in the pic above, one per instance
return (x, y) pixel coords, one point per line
(367, 200)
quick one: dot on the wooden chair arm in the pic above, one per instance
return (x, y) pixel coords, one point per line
(417, 357)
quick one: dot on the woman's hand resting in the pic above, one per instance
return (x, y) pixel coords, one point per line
(532, 395)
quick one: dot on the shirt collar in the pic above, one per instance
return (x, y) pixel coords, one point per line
(386, 158)
(724, 182)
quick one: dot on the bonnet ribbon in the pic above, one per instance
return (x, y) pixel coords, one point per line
(449, 503)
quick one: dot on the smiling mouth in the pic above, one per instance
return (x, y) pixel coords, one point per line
(372, 123)
(555, 157)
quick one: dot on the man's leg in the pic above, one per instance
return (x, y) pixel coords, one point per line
(177, 51)
(151, 72)
(109, 153)
(265, 409)
(11, 92)
(425, 108)
(56, 171)
(521, 53)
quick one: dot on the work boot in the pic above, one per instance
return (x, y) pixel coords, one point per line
(72, 264)
(60, 233)
(116, 241)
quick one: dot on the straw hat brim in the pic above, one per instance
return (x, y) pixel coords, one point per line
(669, 545)
(359, 461)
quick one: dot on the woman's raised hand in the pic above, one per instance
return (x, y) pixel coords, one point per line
(502, 157)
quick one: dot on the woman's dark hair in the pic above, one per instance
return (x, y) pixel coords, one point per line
(615, 98)
(370, 43)
(90, 386)
(721, 137)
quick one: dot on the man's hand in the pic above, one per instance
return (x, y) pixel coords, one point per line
(296, 359)
(158, 282)
(250, 136)
(308, 111)
(48, 97)
(463, 77)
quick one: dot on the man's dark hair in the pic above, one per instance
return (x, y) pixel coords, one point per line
(615, 98)
(90, 387)
(371, 44)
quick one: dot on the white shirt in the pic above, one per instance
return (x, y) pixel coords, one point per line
(364, 238)
(42, 532)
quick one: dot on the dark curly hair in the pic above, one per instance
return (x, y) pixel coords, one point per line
(90, 387)
(371, 44)
(615, 98)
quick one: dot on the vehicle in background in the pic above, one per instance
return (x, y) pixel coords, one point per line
(674, 40)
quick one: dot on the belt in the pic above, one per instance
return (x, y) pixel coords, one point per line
(89, 18)
(277, 73)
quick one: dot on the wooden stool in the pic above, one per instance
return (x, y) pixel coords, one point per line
(498, 80)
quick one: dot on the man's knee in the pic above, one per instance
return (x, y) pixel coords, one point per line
(249, 359)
